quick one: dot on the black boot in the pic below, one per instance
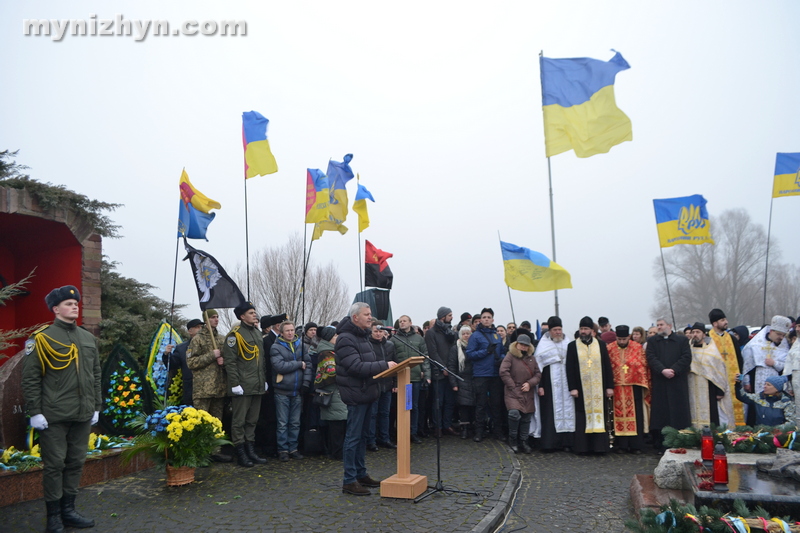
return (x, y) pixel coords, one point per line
(70, 517)
(524, 430)
(54, 524)
(513, 429)
(478, 432)
(464, 431)
(241, 456)
(251, 453)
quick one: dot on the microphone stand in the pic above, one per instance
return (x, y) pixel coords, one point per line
(439, 487)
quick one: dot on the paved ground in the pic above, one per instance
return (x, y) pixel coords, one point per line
(559, 492)
(566, 492)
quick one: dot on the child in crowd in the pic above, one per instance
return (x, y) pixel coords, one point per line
(773, 406)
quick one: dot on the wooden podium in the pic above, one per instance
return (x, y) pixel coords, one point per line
(403, 484)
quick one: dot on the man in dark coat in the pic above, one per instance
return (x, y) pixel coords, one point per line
(356, 363)
(670, 359)
(439, 339)
(591, 380)
(378, 418)
(267, 427)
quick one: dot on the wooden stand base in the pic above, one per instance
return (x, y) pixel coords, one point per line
(408, 487)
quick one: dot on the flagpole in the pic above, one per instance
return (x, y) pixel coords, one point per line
(666, 281)
(510, 302)
(550, 181)
(246, 238)
(172, 314)
(766, 267)
(360, 278)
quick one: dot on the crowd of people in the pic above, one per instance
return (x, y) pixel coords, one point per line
(607, 388)
(279, 387)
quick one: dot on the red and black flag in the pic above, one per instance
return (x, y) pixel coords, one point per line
(376, 270)
(215, 288)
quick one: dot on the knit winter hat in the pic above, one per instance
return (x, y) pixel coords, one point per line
(443, 312)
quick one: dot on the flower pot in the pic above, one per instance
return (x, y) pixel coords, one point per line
(179, 475)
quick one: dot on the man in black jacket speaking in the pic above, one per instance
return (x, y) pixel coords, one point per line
(356, 363)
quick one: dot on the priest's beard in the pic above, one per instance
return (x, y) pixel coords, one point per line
(586, 339)
(697, 344)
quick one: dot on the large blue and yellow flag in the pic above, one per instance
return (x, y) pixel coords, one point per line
(526, 270)
(258, 158)
(317, 195)
(682, 221)
(338, 176)
(580, 111)
(194, 210)
(787, 175)
(360, 207)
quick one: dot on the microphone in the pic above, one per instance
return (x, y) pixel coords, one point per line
(386, 328)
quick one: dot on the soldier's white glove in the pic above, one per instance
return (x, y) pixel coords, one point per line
(238, 390)
(95, 417)
(266, 386)
(38, 422)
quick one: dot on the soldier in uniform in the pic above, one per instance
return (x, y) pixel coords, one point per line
(245, 364)
(204, 358)
(61, 385)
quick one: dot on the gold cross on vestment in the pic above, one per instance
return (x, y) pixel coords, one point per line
(625, 368)
(589, 363)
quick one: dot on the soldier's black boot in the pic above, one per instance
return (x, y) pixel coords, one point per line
(251, 453)
(54, 524)
(70, 517)
(241, 456)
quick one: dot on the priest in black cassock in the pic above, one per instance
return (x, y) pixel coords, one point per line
(591, 380)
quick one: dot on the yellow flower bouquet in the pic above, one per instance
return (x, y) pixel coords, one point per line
(178, 436)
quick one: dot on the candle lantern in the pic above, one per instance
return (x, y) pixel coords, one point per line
(720, 469)
(707, 447)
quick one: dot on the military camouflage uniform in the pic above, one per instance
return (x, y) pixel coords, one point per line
(249, 371)
(208, 376)
(67, 394)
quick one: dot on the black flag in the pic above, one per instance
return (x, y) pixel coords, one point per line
(214, 287)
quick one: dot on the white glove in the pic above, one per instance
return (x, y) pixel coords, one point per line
(266, 386)
(238, 390)
(95, 417)
(38, 422)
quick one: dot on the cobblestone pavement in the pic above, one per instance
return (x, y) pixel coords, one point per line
(558, 492)
(565, 492)
(301, 495)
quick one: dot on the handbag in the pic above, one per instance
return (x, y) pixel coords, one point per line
(323, 399)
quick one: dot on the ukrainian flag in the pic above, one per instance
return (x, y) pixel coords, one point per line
(682, 221)
(787, 175)
(360, 207)
(580, 111)
(317, 195)
(258, 158)
(338, 176)
(526, 270)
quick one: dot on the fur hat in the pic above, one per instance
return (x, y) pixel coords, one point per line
(242, 308)
(56, 296)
